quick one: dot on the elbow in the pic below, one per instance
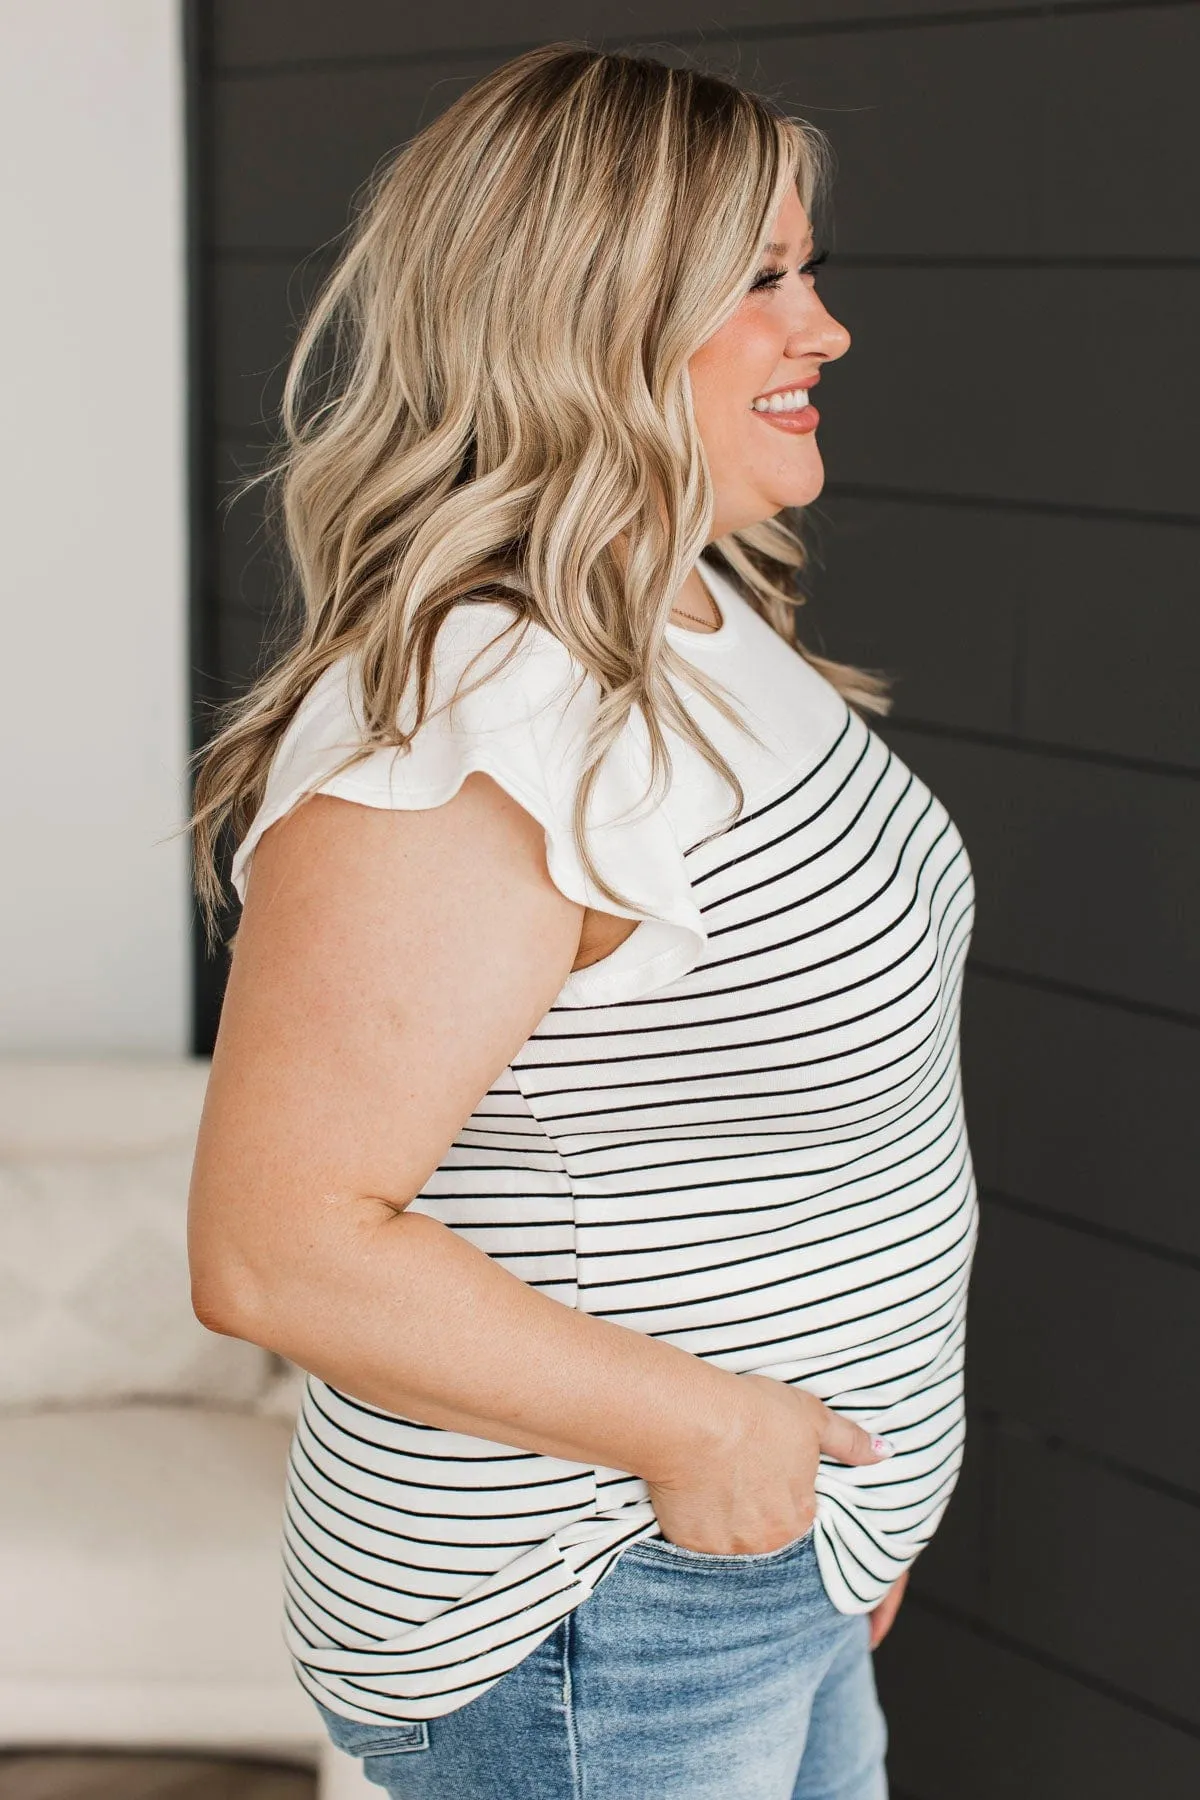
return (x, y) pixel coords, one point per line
(229, 1258)
(225, 1296)
(225, 1305)
(258, 1283)
(219, 1309)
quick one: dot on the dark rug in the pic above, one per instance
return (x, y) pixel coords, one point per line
(97, 1775)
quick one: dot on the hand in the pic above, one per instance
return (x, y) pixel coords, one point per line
(752, 1488)
(885, 1612)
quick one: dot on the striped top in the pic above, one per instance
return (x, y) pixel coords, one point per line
(741, 1132)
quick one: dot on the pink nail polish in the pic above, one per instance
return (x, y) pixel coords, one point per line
(883, 1446)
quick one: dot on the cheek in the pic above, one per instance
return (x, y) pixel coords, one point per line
(728, 371)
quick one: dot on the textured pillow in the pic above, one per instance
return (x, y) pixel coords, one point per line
(94, 1289)
(284, 1393)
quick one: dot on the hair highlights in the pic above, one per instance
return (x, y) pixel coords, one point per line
(490, 399)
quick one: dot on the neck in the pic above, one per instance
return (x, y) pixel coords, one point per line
(695, 599)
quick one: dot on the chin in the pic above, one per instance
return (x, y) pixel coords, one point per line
(775, 495)
(796, 487)
(801, 494)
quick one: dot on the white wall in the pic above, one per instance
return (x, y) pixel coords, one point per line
(93, 661)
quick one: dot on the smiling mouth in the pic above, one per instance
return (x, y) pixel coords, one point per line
(791, 400)
(792, 412)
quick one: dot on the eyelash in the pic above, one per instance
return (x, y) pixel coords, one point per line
(769, 279)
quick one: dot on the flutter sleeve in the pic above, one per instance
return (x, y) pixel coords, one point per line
(526, 726)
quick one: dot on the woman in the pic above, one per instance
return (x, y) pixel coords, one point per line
(585, 1114)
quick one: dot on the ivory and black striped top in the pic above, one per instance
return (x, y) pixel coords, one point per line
(742, 1132)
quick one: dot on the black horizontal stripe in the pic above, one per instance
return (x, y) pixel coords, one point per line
(489, 1624)
(333, 1616)
(550, 1516)
(748, 1180)
(852, 1048)
(785, 798)
(761, 1346)
(412, 1512)
(790, 972)
(798, 1247)
(634, 1141)
(529, 1457)
(754, 1179)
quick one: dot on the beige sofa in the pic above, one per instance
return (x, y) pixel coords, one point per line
(141, 1457)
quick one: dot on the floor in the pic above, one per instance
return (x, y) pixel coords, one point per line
(45, 1776)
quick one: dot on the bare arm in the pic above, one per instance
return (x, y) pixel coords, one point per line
(388, 967)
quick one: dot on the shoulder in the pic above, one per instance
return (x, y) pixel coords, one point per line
(505, 668)
(504, 695)
(491, 672)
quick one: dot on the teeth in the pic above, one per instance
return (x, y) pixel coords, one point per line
(792, 401)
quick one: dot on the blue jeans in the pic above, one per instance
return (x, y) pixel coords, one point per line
(683, 1676)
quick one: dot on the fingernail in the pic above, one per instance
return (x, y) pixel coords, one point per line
(883, 1446)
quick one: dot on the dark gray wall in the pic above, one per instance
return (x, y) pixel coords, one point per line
(1009, 524)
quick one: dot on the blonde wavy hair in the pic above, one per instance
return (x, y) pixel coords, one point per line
(489, 400)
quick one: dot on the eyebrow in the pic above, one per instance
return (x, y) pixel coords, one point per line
(781, 249)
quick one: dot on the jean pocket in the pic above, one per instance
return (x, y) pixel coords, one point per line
(659, 1548)
(367, 1741)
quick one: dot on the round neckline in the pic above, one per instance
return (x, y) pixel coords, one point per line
(725, 599)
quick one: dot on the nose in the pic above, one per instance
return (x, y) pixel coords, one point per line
(820, 333)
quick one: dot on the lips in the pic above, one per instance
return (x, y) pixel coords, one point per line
(791, 398)
(802, 419)
(788, 408)
(808, 381)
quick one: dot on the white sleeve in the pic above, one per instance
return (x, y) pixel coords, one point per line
(526, 727)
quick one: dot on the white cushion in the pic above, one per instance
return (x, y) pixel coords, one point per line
(95, 1305)
(284, 1393)
(99, 1105)
(95, 1300)
(140, 1545)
